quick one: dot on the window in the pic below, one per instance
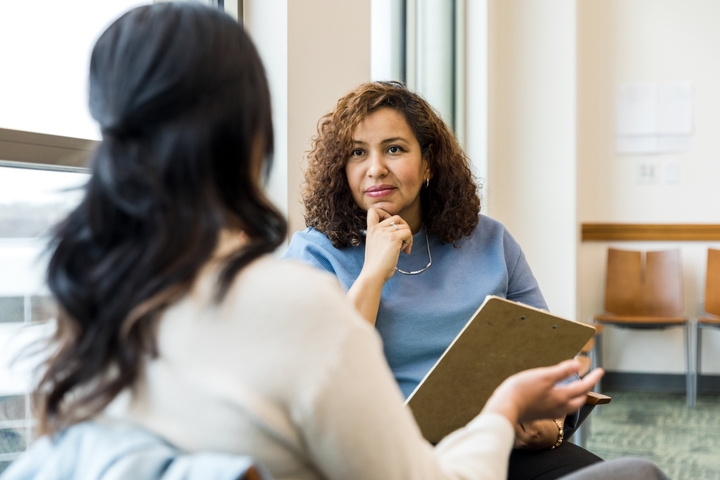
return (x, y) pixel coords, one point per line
(31, 202)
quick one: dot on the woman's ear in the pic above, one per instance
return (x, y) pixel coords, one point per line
(430, 153)
(431, 150)
(427, 174)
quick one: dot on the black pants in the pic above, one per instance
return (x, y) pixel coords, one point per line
(549, 464)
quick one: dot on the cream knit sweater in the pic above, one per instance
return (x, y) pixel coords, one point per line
(284, 370)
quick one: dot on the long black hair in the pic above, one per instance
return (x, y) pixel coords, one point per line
(182, 101)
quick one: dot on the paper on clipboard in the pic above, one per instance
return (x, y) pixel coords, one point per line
(502, 338)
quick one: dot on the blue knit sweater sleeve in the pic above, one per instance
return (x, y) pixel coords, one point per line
(311, 247)
(522, 286)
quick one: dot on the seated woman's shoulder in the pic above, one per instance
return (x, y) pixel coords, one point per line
(488, 222)
(292, 287)
(311, 234)
(308, 239)
(489, 227)
(273, 273)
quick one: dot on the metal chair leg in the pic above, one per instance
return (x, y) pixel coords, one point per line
(597, 358)
(581, 435)
(690, 363)
(697, 339)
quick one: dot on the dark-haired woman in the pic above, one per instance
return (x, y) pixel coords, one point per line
(174, 322)
(393, 211)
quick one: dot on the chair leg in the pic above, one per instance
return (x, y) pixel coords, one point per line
(698, 356)
(597, 358)
(581, 435)
(690, 362)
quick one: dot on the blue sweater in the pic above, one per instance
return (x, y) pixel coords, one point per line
(420, 315)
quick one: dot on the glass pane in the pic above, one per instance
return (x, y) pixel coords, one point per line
(31, 203)
(12, 408)
(42, 308)
(12, 309)
(13, 440)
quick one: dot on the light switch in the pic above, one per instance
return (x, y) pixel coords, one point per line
(647, 173)
(672, 173)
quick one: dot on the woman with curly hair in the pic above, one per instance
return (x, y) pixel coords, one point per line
(393, 210)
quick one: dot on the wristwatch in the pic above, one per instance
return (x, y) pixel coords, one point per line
(561, 434)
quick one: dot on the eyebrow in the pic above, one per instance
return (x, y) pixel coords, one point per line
(387, 140)
(394, 139)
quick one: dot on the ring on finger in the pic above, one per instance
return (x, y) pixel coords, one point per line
(393, 224)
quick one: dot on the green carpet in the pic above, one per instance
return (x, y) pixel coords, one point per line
(684, 443)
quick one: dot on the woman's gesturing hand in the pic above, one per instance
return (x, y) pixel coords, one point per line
(533, 394)
(387, 236)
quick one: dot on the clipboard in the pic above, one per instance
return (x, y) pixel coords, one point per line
(502, 338)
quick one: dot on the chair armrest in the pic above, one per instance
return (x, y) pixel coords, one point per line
(594, 398)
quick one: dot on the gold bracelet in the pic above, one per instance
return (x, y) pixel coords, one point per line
(561, 434)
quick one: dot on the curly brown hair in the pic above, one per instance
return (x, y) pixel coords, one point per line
(450, 204)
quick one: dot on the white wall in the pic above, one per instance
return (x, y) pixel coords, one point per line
(531, 140)
(553, 68)
(328, 55)
(314, 52)
(267, 23)
(386, 40)
(45, 48)
(627, 41)
(476, 86)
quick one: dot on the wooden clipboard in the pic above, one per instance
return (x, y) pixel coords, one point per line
(502, 338)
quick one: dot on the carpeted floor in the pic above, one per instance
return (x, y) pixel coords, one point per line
(684, 443)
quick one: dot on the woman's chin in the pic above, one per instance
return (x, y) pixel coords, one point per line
(385, 207)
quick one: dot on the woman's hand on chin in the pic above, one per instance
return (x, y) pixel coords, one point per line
(387, 236)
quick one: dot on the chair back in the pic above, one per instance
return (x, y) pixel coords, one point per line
(712, 282)
(105, 450)
(640, 283)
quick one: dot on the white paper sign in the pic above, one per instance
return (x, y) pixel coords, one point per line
(654, 117)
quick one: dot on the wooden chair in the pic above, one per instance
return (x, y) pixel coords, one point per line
(712, 307)
(643, 290)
